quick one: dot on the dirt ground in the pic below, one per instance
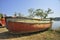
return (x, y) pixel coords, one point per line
(46, 35)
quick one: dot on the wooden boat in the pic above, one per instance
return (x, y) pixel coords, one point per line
(26, 25)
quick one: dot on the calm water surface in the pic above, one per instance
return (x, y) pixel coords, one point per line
(56, 25)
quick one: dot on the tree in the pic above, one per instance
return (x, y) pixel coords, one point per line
(49, 11)
(20, 15)
(1, 15)
(39, 13)
(31, 12)
(15, 14)
(43, 14)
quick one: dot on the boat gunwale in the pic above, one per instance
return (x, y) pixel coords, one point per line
(29, 19)
(32, 22)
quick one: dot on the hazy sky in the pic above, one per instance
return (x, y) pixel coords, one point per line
(10, 6)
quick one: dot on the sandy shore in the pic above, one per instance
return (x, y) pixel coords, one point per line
(46, 35)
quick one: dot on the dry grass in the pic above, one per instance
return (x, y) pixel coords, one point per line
(46, 35)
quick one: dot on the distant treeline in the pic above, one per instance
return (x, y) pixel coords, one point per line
(56, 19)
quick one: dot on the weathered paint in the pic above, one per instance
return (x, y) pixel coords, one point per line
(13, 25)
(20, 27)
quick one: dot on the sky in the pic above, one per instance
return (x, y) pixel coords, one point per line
(9, 7)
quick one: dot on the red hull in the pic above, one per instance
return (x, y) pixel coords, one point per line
(27, 27)
(23, 27)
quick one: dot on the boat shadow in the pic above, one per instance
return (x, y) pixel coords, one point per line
(7, 35)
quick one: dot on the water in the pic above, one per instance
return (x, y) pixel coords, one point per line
(56, 25)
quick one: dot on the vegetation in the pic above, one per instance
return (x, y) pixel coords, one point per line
(31, 12)
(39, 13)
(15, 14)
(34, 13)
(1, 15)
(18, 14)
(49, 11)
